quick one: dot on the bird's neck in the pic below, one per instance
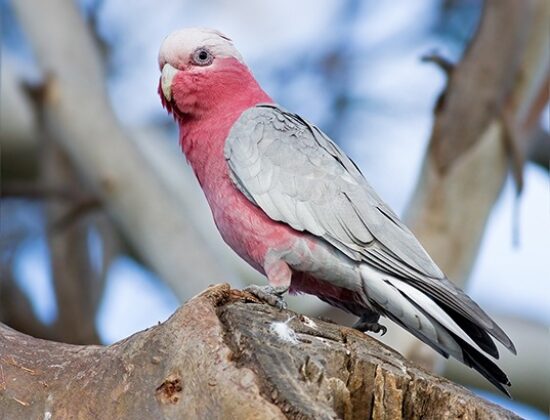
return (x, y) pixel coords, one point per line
(203, 133)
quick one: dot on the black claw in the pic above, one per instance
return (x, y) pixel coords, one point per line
(372, 327)
(369, 322)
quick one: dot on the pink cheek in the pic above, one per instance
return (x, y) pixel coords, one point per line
(183, 92)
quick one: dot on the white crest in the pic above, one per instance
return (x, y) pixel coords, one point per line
(179, 45)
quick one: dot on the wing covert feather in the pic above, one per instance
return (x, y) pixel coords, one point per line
(298, 176)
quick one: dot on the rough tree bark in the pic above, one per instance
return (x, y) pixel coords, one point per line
(222, 356)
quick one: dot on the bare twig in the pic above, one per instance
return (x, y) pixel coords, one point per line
(443, 63)
(16, 309)
(74, 278)
(33, 190)
(76, 212)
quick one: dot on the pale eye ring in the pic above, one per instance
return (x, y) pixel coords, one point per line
(202, 57)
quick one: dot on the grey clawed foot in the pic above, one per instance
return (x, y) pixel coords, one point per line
(269, 294)
(369, 322)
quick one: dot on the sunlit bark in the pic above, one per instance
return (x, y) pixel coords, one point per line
(221, 357)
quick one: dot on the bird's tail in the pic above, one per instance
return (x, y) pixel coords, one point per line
(427, 316)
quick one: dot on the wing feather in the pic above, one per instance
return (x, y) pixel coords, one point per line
(313, 184)
(297, 175)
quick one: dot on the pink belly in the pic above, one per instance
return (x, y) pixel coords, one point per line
(247, 229)
(251, 234)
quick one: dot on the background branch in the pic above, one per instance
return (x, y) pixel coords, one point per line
(75, 280)
(70, 95)
(450, 207)
(482, 125)
(80, 119)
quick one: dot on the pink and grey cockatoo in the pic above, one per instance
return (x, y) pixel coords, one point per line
(292, 204)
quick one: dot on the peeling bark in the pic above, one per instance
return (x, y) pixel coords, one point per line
(218, 356)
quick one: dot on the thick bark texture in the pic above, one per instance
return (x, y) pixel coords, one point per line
(224, 355)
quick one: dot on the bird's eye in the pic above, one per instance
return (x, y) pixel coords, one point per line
(202, 57)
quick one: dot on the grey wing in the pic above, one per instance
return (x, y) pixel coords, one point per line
(297, 175)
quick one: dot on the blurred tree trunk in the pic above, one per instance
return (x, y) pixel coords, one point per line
(77, 283)
(486, 122)
(18, 127)
(80, 119)
(221, 357)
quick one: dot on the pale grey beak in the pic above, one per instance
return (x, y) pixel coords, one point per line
(168, 73)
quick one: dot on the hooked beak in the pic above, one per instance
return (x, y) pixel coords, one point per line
(168, 73)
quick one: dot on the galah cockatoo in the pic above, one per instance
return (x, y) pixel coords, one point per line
(292, 204)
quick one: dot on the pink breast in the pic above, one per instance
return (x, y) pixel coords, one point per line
(245, 227)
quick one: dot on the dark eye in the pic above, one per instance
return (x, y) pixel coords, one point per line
(202, 57)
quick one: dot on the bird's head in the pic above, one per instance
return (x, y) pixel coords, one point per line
(202, 72)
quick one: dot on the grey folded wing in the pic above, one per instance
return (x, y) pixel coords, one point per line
(297, 175)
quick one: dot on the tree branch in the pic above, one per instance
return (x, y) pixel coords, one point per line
(74, 277)
(220, 355)
(540, 150)
(18, 126)
(469, 153)
(480, 128)
(80, 119)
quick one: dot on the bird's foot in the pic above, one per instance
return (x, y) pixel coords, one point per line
(272, 295)
(369, 322)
